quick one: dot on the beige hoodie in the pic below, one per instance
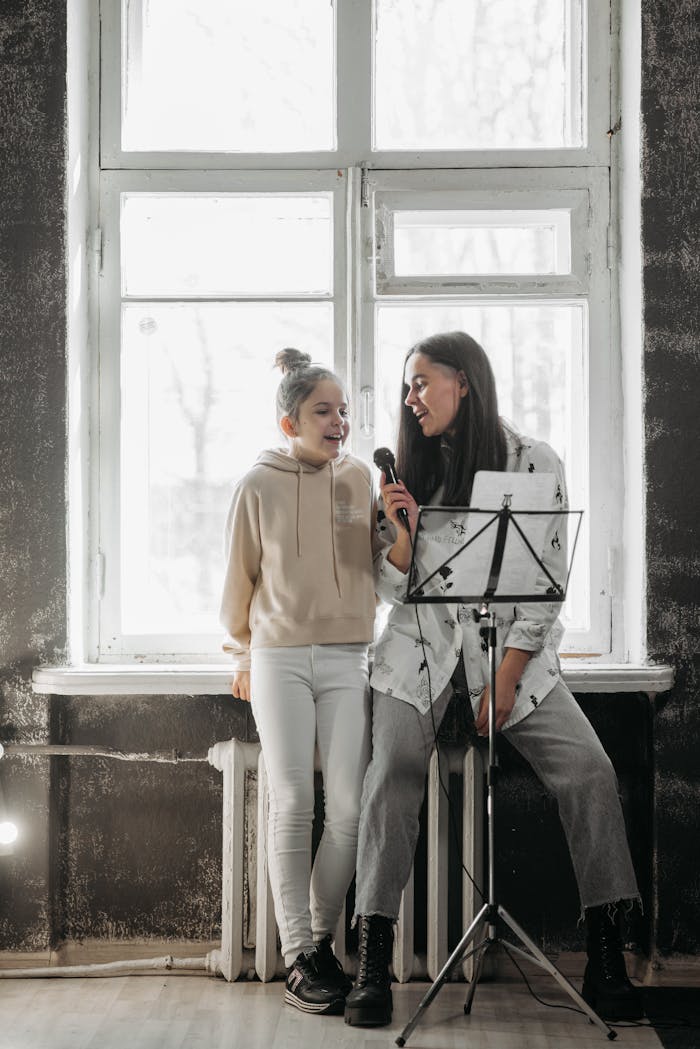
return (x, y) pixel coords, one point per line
(299, 556)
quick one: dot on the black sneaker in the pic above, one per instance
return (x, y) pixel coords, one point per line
(307, 989)
(330, 968)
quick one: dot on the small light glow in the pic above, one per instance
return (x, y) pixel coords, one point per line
(8, 833)
(2, 750)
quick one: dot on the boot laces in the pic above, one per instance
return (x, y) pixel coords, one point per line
(610, 959)
(374, 949)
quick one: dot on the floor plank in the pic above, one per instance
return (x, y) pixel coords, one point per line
(201, 1012)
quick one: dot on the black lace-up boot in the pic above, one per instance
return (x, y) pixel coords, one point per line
(369, 1004)
(329, 967)
(606, 987)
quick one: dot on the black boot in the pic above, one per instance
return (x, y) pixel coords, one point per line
(369, 1003)
(606, 987)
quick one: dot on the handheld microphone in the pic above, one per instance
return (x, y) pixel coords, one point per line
(384, 459)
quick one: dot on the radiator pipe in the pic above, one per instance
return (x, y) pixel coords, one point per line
(170, 757)
(209, 964)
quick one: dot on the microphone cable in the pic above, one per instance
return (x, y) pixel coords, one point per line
(384, 460)
(443, 787)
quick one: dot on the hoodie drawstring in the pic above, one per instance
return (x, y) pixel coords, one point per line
(335, 560)
(299, 473)
(336, 572)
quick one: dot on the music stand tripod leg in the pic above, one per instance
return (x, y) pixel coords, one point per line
(535, 955)
(476, 976)
(456, 956)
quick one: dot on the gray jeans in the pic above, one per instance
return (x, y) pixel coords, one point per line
(559, 743)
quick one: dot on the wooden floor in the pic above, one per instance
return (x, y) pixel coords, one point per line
(200, 1012)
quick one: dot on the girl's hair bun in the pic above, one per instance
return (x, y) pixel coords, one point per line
(289, 359)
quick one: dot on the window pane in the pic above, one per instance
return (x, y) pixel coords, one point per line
(537, 354)
(198, 404)
(195, 244)
(481, 242)
(488, 74)
(223, 75)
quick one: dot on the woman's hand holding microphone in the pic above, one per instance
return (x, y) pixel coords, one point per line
(396, 497)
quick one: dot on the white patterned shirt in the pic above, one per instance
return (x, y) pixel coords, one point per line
(400, 667)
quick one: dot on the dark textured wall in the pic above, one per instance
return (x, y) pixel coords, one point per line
(32, 425)
(139, 845)
(111, 850)
(671, 246)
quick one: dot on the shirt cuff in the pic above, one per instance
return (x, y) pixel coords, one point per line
(526, 635)
(392, 576)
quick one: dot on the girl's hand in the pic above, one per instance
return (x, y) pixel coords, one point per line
(397, 497)
(240, 687)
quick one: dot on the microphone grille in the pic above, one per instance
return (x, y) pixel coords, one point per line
(383, 457)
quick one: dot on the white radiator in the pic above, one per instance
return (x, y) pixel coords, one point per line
(248, 929)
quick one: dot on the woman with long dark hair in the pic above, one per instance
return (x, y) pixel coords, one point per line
(449, 430)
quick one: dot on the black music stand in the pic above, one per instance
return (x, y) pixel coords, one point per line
(497, 524)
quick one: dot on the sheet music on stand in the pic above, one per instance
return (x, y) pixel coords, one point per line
(453, 556)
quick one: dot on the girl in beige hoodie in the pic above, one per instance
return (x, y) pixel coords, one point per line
(298, 608)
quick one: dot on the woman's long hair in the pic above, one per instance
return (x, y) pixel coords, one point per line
(478, 441)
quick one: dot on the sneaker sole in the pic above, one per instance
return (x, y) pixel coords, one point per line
(334, 1008)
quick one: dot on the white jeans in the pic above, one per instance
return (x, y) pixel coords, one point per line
(313, 694)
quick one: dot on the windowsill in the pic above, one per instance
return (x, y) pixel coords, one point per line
(215, 679)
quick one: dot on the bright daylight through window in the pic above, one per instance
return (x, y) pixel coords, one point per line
(345, 177)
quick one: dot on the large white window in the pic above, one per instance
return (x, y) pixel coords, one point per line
(345, 176)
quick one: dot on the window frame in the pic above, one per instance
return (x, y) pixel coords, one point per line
(107, 642)
(363, 174)
(592, 285)
(354, 77)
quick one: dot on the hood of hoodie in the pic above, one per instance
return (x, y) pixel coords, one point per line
(280, 459)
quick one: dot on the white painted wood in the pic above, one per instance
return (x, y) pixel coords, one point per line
(342, 262)
(354, 277)
(354, 56)
(134, 680)
(403, 958)
(266, 954)
(201, 680)
(82, 165)
(353, 81)
(438, 829)
(232, 865)
(626, 191)
(365, 247)
(111, 642)
(594, 456)
(232, 758)
(537, 189)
